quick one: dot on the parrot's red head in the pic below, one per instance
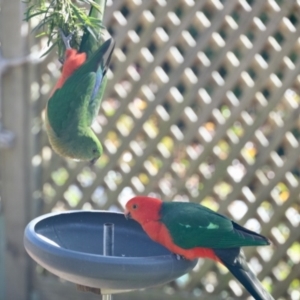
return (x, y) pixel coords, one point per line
(143, 209)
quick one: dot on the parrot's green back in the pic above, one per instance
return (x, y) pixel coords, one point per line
(80, 97)
(91, 41)
(192, 225)
(90, 44)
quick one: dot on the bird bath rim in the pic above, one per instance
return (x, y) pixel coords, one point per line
(35, 222)
(82, 267)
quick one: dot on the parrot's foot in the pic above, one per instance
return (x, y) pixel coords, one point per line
(179, 257)
(66, 39)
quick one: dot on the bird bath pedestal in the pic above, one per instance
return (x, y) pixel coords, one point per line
(101, 252)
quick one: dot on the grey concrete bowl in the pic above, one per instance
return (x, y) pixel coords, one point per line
(70, 245)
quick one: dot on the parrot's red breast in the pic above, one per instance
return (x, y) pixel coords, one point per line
(73, 60)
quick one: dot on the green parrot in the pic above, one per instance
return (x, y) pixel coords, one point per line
(76, 99)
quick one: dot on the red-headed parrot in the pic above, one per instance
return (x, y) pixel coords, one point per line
(76, 100)
(193, 231)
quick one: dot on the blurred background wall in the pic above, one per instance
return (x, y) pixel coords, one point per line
(202, 105)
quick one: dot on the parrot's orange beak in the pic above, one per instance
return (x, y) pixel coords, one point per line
(127, 214)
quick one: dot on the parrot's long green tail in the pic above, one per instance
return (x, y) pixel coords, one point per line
(89, 42)
(235, 262)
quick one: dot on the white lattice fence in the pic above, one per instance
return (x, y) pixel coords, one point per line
(202, 105)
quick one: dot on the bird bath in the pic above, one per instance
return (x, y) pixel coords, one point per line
(101, 251)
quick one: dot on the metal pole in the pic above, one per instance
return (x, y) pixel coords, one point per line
(108, 239)
(108, 246)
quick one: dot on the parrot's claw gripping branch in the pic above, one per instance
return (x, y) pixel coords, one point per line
(66, 39)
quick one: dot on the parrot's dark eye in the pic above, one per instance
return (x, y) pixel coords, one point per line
(94, 151)
(134, 206)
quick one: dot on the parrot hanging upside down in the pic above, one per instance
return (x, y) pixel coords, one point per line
(194, 231)
(75, 102)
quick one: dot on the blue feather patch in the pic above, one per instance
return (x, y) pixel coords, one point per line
(99, 79)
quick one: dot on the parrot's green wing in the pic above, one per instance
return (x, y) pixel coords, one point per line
(68, 107)
(89, 44)
(192, 225)
(91, 41)
(77, 102)
(101, 79)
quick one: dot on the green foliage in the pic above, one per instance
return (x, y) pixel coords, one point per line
(68, 15)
